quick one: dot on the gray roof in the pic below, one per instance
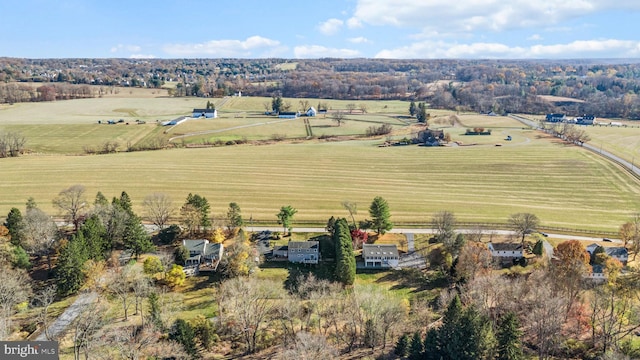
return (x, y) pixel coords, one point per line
(369, 250)
(195, 245)
(616, 251)
(304, 244)
(506, 246)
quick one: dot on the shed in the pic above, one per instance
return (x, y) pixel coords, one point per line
(206, 113)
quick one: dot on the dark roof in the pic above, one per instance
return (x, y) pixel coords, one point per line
(616, 251)
(597, 269)
(506, 246)
(287, 113)
(369, 250)
(303, 244)
(281, 248)
(204, 110)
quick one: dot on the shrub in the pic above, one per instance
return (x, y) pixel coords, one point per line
(383, 129)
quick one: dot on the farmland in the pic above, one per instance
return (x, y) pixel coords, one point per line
(481, 183)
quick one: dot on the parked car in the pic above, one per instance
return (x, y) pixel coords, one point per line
(544, 234)
(607, 240)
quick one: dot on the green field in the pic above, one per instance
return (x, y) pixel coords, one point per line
(621, 141)
(564, 185)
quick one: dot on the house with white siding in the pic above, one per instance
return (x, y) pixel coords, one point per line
(383, 255)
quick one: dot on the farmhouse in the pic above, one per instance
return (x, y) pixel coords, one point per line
(312, 112)
(206, 113)
(303, 252)
(554, 118)
(287, 115)
(430, 137)
(619, 253)
(201, 252)
(596, 274)
(385, 256)
(586, 120)
(506, 251)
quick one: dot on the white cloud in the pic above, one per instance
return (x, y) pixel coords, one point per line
(359, 40)
(577, 49)
(470, 15)
(254, 46)
(142, 56)
(129, 48)
(535, 37)
(317, 51)
(331, 26)
(354, 23)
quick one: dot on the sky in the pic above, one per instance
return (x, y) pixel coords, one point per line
(399, 29)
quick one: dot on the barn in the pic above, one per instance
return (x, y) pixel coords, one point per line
(206, 113)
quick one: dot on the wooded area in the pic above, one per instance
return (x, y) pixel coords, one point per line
(606, 88)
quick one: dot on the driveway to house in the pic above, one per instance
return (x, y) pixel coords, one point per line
(68, 316)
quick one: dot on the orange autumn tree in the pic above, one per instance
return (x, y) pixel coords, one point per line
(569, 269)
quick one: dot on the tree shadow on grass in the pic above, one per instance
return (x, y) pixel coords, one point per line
(415, 279)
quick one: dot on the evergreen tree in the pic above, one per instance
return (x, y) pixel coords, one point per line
(538, 248)
(95, 236)
(345, 259)
(508, 336)
(180, 255)
(100, 200)
(15, 224)
(331, 223)
(136, 237)
(415, 347)
(154, 311)
(412, 108)
(448, 334)
(402, 346)
(31, 204)
(183, 333)
(69, 271)
(380, 215)
(421, 113)
(370, 334)
(125, 203)
(234, 216)
(202, 205)
(276, 104)
(20, 258)
(431, 346)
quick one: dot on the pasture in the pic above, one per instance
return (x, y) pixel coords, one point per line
(620, 141)
(564, 185)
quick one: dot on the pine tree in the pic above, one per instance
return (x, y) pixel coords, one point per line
(69, 271)
(184, 334)
(402, 346)
(95, 235)
(508, 336)
(448, 334)
(412, 108)
(415, 347)
(538, 248)
(431, 346)
(154, 311)
(136, 238)
(345, 259)
(380, 215)
(15, 224)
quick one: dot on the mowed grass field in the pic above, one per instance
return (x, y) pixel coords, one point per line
(564, 185)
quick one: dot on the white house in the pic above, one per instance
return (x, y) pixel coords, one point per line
(202, 252)
(312, 112)
(206, 113)
(304, 252)
(383, 255)
(506, 250)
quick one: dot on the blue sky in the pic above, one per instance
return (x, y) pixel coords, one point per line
(415, 29)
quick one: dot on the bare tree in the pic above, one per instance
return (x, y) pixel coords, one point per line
(523, 224)
(352, 208)
(14, 288)
(72, 201)
(86, 329)
(119, 284)
(158, 208)
(304, 105)
(351, 107)
(44, 298)
(476, 233)
(444, 223)
(40, 233)
(248, 304)
(338, 117)
(133, 342)
(309, 346)
(363, 107)
(11, 144)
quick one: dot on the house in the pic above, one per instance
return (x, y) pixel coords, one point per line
(586, 120)
(554, 118)
(430, 137)
(312, 112)
(380, 256)
(280, 252)
(506, 251)
(202, 252)
(303, 252)
(206, 113)
(619, 253)
(596, 274)
(287, 115)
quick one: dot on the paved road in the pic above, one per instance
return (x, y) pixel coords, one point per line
(411, 245)
(71, 313)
